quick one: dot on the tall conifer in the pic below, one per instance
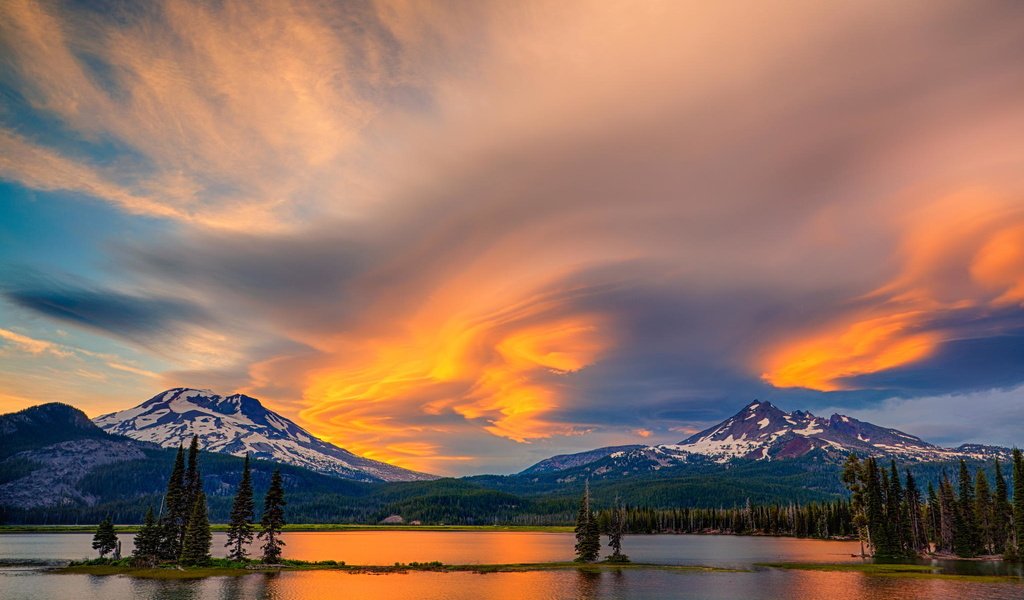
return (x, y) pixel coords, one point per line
(1018, 503)
(192, 476)
(1002, 514)
(273, 519)
(175, 518)
(915, 520)
(588, 540)
(933, 519)
(947, 514)
(879, 530)
(616, 529)
(896, 514)
(240, 528)
(984, 514)
(853, 477)
(965, 534)
(195, 549)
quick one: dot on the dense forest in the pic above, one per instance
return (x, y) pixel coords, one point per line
(966, 517)
(815, 520)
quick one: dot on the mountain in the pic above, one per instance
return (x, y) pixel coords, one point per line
(48, 449)
(239, 424)
(568, 461)
(34, 426)
(763, 432)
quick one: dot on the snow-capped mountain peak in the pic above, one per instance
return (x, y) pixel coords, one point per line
(238, 424)
(762, 431)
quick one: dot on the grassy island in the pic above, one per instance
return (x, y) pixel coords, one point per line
(228, 568)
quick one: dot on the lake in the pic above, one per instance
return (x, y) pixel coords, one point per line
(388, 547)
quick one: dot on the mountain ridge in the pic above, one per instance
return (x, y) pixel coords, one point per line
(238, 424)
(762, 431)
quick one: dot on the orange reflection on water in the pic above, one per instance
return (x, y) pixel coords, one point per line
(450, 547)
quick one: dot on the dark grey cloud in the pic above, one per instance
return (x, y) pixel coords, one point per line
(134, 317)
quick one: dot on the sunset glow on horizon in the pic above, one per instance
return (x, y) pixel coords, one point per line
(463, 237)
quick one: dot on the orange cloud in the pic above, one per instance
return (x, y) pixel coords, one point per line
(999, 264)
(864, 346)
(497, 369)
(962, 252)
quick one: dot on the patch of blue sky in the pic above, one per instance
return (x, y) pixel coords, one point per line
(63, 232)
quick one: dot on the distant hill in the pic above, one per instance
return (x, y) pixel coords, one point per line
(38, 425)
(48, 449)
(562, 462)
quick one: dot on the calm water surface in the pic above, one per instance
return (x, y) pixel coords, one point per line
(384, 548)
(465, 547)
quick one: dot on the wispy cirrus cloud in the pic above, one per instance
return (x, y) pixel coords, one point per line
(32, 345)
(233, 115)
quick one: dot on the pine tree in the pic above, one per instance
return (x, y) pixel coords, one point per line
(588, 540)
(947, 514)
(148, 539)
(105, 540)
(895, 513)
(195, 549)
(965, 538)
(1002, 514)
(273, 519)
(1018, 503)
(174, 520)
(878, 529)
(240, 528)
(853, 477)
(616, 529)
(933, 517)
(192, 476)
(918, 535)
(983, 512)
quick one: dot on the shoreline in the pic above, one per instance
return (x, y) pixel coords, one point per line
(903, 570)
(345, 527)
(223, 568)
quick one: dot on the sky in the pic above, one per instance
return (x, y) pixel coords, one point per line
(465, 236)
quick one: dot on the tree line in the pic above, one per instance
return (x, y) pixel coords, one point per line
(823, 520)
(968, 517)
(181, 532)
